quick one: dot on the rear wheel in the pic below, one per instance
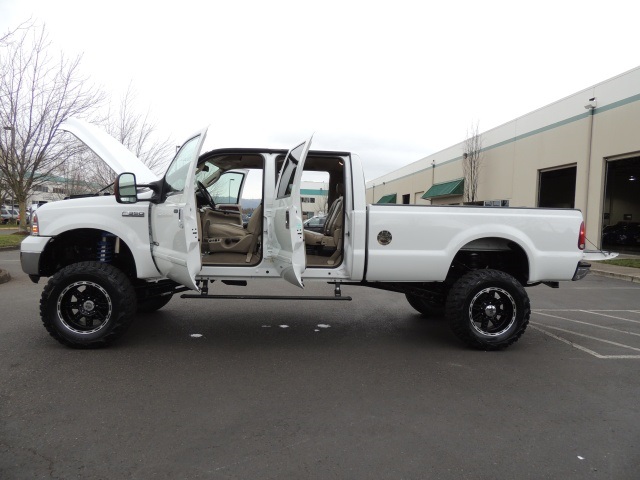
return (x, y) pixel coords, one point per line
(87, 305)
(488, 309)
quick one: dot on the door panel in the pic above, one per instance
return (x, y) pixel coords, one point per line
(174, 222)
(287, 235)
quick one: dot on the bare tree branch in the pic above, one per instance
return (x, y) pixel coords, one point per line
(138, 133)
(472, 162)
(37, 94)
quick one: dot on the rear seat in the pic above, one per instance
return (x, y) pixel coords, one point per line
(332, 232)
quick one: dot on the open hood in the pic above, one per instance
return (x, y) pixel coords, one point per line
(114, 154)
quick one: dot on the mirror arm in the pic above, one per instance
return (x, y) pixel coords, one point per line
(152, 186)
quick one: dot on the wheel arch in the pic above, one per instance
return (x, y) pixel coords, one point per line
(87, 244)
(494, 252)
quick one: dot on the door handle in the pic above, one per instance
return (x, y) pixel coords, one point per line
(286, 220)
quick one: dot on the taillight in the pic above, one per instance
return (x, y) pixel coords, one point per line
(34, 225)
(582, 238)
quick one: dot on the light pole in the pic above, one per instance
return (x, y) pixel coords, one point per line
(591, 106)
(13, 164)
(232, 180)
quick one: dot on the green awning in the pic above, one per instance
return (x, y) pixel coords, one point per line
(391, 198)
(454, 187)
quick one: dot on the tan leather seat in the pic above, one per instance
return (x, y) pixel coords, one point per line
(233, 238)
(332, 231)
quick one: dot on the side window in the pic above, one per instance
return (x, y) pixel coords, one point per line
(315, 185)
(176, 176)
(227, 188)
(286, 180)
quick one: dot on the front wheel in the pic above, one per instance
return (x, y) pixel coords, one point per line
(488, 309)
(152, 304)
(88, 305)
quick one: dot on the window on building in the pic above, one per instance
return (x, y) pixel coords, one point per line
(406, 199)
(557, 188)
(58, 190)
(40, 188)
(495, 203)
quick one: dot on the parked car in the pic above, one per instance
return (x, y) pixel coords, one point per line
(8, 214)
(315, 224)
(622, 233)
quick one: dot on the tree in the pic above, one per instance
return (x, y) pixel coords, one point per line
(135, 131)
(74, 176)
(321, 203)
(472, 162)
(37, 93)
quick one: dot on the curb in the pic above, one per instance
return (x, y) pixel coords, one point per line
(616, 275)
(4, 276)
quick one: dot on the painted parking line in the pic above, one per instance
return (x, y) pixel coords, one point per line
(592, 324)
(580, 310)
(580, 347)
(596, 312)
(543, 328)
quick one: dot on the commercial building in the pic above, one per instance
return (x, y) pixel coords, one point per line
(314, 197)
(582, 151)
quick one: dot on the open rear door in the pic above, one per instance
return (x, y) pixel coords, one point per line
(174, 222)
(287, 235)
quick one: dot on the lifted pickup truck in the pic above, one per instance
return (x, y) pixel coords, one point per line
(110, 256)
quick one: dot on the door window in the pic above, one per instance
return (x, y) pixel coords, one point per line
(227, 188)
(286, 180)
(289, 171)
(176, 176)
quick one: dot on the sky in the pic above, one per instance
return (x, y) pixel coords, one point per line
(391, 81)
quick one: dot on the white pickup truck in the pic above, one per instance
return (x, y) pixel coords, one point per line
(111, 256)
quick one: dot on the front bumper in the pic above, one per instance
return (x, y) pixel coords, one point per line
(31, 249)
(581, 271)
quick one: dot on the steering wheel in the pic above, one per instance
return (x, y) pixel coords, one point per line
(207, 196)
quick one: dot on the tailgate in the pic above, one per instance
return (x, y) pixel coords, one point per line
(598, 255)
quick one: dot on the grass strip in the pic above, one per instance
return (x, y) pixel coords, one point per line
(624, 262)
(11, 240)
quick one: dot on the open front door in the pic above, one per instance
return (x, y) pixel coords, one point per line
(287, 235)
(174, 222)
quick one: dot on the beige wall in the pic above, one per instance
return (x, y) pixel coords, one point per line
(616, 134)
(554, 136)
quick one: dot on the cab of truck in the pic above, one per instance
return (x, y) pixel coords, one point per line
(195, 214)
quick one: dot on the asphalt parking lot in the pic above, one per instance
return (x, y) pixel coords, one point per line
(361, 389)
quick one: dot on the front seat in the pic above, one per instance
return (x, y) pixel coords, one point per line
(232, 238)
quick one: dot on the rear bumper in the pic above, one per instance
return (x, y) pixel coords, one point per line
(581, 271)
